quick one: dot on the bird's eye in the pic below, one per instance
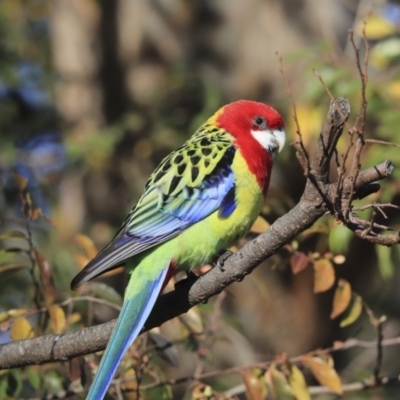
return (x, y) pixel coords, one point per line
(280, 128)
(260, 122)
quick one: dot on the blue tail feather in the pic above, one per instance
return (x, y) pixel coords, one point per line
(132, 317)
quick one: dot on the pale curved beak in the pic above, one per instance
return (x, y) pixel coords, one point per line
(281, 138)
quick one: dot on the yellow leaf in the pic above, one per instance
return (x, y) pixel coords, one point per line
(298, 384)
(393, 88)
(376, 27)
(260, 225)
(57, 318)
(115, 271)
(310, 119)
(354, 313)
(278, 384)
(324, 373)
(324, 275)
(21, 329)
(74, 318)
(87, 245)
(341, 299)
(5, 315)
(81, 260)
(131, 383)
(255, 389)
(385, 52)
(22, 182)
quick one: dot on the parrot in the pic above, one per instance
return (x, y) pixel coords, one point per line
(200, 200)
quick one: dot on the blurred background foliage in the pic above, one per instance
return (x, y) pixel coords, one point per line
(94, 93)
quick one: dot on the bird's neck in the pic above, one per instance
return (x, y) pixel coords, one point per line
(259, 162)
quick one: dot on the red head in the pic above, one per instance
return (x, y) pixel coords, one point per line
(259, 134)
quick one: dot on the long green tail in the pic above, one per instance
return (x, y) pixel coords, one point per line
(140, 297)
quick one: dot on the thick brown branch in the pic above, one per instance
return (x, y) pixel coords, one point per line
(88, 340)
(315, 201)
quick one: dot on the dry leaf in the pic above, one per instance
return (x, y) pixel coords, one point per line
(57, 319)
(75, 368)
(46, 277)
(298, 384)
(299, 261)
(87, 245)
(131, 383)
(81, 260)
(341, 299)
(21, 329)
(324, 373)
(255, 389)
(354, 313)
(118, 270)
(22, 182)
(260, 225)
(324, 275)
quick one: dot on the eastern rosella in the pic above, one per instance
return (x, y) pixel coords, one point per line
(201, 199)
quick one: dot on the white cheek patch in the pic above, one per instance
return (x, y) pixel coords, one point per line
(265, 139)
(272, 141)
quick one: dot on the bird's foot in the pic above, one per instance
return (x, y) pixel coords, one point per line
(191, 277)
(221, 258)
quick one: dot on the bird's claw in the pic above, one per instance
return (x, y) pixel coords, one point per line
(221, 259)
(190, 278)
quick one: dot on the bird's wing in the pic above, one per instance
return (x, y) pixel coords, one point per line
(189, 184)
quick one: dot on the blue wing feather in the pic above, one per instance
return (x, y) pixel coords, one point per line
(165, 210)
(228, 204)
(133, 315)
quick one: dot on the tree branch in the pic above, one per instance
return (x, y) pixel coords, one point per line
(315, 201)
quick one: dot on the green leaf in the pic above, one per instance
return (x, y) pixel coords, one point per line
(34, 377)
(298, 384)
(339, 239)
(14, 383)
(105, 292)
(278, 384)
(13, 235)
(385, 261)
(354, 312)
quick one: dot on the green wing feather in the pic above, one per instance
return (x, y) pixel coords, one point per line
(188, 185)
